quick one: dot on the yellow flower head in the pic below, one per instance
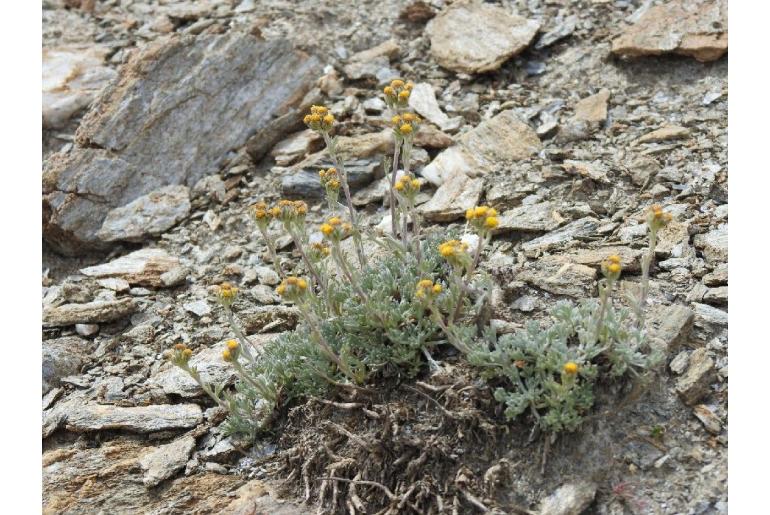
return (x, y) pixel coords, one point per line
(427, 290)
(335, 230)
(397, 94)
(232, 344)
(571, 368)
(292, 288)
(657, 218)
(396, 120)
(482, 218)
(227, 355)
(405, 129)
(261, 214)
(408, 186)
(319, 119)
(289, 211)
(187, 353)
(227, 293)
(318, 251)
(611, 267)
(319, 110)
(456, 253)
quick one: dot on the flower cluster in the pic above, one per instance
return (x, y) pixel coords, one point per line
(427, 289)
(657, 218)
(288, 211)
(482, 218)
(405, 125)
(571, 368)
(261, 214)
(319, 119)
(292, 288)
(408, 186)
(330, 180)
(456, 253)
(397, 94)
(232, 349)
(227, 293)
(180, 355)
(335, 229)
(317, 251)
(611, 267)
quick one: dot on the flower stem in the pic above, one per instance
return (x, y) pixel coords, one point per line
(271, 250)
(245, 343)
(331, 147)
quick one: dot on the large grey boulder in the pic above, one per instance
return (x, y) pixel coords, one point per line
(175, 111)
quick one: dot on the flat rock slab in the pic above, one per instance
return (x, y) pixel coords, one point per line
(629, 258)
(62, 357)
(713, 244)
(170, 117)
(423, 100)
(696, 382)
(696, 28)
(540, 217)
(670, 324)
(593, 109)
(472, 37)
(89, 313)
(667, 133)
(149, 215)
(160, 463)
(139, 419)
(578, 229)
(144, 267)
(456, 195)
(72, 78)
(296, 146)
(560, 276)
(501, 140)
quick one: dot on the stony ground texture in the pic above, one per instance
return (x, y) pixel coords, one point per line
(164, 120)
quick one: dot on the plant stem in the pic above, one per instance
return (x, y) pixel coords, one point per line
(271, 250)
(308, 264)
(392, 191)
(261, 388)
(325, 347)
(331, 147)
(477, 255)
(245, 343)
(416, 229)
(343, 266)
(206, 388)
(645, 281)
(606, 294)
